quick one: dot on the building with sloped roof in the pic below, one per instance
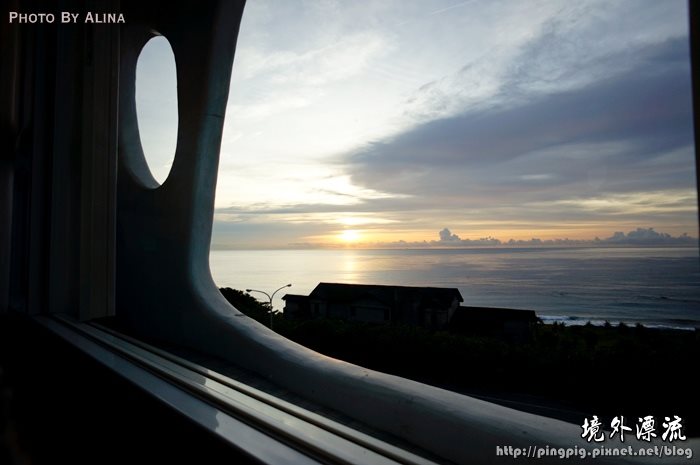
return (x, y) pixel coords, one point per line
(429, 307)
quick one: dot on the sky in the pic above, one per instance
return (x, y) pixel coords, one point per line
(387, 123)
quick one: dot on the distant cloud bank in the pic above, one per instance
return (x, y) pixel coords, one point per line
(640, 237)
(648, 236)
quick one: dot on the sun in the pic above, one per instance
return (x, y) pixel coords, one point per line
(349, 235)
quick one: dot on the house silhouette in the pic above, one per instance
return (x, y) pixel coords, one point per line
(429, 307)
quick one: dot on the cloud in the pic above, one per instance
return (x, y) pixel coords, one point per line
(546, 48)
(648, 236)
(637, 237)
(625, 134)
(341, 59)
(259, 232)
(573, 117)
(272, 82)
(453, 240)
(447, 236)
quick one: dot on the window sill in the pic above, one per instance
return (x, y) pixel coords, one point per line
(260, 425)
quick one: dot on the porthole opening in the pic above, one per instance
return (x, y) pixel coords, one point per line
(156, 106)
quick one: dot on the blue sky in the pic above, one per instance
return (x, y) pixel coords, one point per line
(374, 122)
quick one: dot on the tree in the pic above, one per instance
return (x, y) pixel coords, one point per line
(247, 304)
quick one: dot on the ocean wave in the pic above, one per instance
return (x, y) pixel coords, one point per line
(572, 320)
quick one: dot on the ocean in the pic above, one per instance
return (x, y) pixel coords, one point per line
(658, 287)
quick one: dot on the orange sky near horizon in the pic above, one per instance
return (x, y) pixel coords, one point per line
(359, 237)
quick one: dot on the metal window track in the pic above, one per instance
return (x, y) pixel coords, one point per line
(263, 426)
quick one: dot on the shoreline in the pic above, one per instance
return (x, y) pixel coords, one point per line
(572, 321)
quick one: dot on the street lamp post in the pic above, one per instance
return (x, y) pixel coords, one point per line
(270, 297)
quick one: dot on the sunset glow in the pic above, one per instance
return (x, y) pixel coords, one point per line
(350, 235)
